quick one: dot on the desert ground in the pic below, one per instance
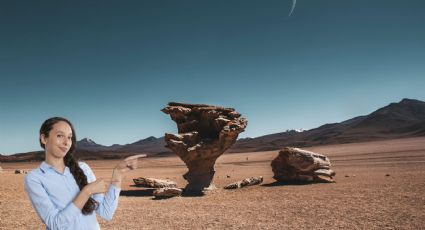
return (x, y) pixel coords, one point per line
(379, 185)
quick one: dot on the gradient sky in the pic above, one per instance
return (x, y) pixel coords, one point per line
(110, 66)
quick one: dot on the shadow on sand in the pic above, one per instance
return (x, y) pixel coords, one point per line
(283, 183)
(149, 192)
(190, 193)
(141, 192)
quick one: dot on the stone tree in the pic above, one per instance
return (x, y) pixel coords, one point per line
(204, 133)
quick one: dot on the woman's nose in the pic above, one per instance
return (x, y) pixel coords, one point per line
(66, 142)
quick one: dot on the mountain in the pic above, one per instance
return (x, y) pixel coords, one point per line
(148, 145)
(397, 120)
(89, 144)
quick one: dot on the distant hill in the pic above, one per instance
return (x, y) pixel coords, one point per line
(90, 145)
(147, 145)
(396, 120)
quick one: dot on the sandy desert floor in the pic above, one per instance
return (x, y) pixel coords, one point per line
(363, 197)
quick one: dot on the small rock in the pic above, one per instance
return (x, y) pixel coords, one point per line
(227, 176)
(19, 171)
(387, 174)
(347, 176)
(154, 183)
(167, 192)
(245, 182)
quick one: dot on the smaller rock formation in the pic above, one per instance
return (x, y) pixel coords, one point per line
(298, 165)
(154, 183)
(245, 182)
(167, 192)
(19, 171)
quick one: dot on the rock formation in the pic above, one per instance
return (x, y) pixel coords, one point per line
(298, 165)
(154, 183)
(245, 182)
(204, 133)
(167, 192)
(20, 171)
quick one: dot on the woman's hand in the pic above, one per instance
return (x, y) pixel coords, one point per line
(98, 186)
(128, 164)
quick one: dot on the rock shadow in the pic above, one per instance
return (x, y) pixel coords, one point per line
(283, 183)
(140, 192)
(190, 193)
(162, 198)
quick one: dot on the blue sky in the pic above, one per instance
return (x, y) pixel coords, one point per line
(110, 66)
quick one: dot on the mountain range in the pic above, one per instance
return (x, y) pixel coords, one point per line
(396, 120)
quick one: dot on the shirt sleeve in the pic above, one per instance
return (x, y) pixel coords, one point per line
(108, 202)
(52, 217)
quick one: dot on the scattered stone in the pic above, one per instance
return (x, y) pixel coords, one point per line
(19, 171)
(227, 176)
(167, 192)
(154, 183)
(294, 164)
(347, 176)
(204, 133)
(387, 174)
(245, 182)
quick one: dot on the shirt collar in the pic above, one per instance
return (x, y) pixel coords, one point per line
(46, 167)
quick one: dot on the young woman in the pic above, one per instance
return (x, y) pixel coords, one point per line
(64, 192)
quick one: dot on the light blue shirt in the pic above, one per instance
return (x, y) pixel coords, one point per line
(52, 194)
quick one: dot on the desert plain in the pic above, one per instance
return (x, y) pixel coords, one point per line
(379, 185)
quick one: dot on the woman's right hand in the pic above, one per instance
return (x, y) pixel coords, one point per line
(98, 186)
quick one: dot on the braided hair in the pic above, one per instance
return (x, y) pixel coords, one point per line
(70, 160)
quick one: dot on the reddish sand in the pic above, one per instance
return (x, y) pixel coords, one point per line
(363, 197)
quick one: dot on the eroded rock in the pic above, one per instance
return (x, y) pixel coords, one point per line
(204, 133)
(19, 171)
(154, 183)
(245, 182)
(294, 164)
(167, 192)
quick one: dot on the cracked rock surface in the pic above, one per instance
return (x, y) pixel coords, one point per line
(204, 133)
(294, 164)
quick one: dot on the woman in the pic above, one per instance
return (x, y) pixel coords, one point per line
(66, 194)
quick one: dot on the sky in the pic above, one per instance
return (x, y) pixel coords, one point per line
(111, 66)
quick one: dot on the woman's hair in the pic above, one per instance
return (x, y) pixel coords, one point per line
(70, 161)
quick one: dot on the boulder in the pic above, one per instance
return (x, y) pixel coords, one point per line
(167, 192)
(298, 165)
(204, 133)
(19, 171)
(245, 182)
(154, 183)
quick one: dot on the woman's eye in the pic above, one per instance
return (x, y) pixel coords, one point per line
(60, 136)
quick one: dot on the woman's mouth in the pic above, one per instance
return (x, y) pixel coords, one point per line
(63, 149)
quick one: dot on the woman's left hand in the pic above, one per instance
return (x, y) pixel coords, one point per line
(129, 163)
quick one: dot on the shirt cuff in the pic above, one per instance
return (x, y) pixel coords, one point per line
(114, 191)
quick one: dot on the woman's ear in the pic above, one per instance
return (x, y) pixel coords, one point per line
(43, 139)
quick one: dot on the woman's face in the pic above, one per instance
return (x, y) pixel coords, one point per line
(59, 140)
